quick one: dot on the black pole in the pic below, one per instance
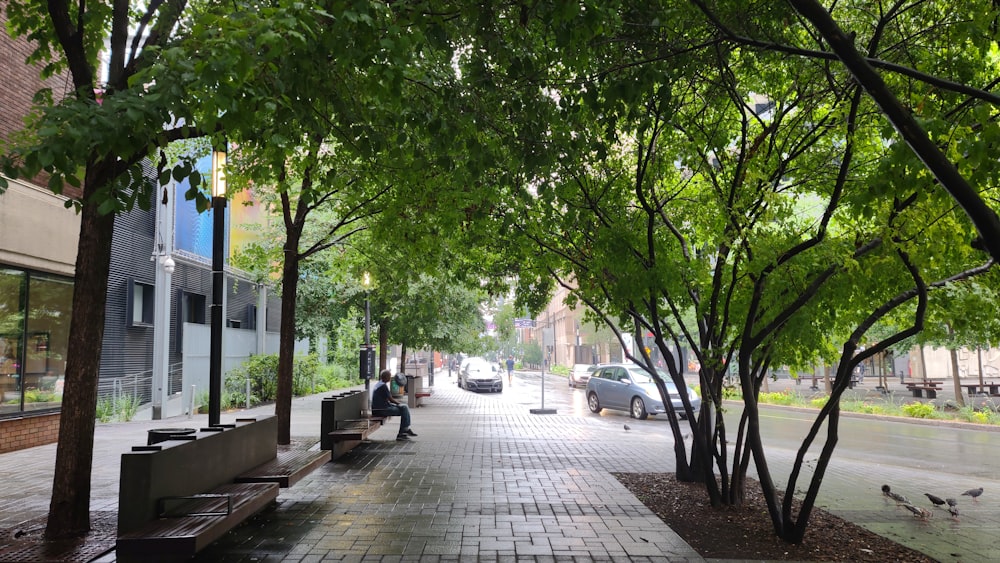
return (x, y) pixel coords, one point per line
(368, 351)
(218, 286)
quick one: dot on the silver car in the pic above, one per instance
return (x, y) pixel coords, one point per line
(628, 387)
(478, 374)
(580, 374)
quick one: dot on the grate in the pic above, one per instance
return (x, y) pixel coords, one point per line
(25, 542)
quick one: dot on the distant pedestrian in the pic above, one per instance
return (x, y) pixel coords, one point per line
(510, 369)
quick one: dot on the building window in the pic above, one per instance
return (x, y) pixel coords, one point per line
(190, 309)
(140, 304)
(35, 311)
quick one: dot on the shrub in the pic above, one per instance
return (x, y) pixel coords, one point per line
(820, 402)
(126, 405)
(105, 409)
(779, 398)
(918, 410)
(559, 370)
(262, 370)
(122, 407)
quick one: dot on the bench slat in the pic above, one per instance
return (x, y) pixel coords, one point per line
(171, 539)
(288, 468)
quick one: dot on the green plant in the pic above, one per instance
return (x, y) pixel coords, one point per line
(105, 409)
(305, 371)
(820, 402)
(731, 393)
(781, 398)
(126, 405)
(918, 410)
(559, 370)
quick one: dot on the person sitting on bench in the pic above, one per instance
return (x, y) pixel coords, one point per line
(384, 405)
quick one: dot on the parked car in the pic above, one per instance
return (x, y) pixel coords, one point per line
(628, 387)
(580, 374)
(479, 374)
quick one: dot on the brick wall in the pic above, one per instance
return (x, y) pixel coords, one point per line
(19, 83)
(28, 432)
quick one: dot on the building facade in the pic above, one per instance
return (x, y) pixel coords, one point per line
(155, 344)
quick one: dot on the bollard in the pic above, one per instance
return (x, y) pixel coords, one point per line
(248, 392)
(191, 406)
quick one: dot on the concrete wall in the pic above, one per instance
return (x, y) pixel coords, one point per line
(37, 231)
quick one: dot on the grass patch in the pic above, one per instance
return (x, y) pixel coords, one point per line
(988, 415)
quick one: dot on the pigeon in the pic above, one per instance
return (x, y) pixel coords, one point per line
(974, 493)
(938, 501)
(894, 496)
(951, 502)
(953, 510)
(627, 428)
(917, 511)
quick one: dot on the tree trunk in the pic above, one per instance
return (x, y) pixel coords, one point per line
(383, 346)
(69, 507)
(286, 346)
(955, 376)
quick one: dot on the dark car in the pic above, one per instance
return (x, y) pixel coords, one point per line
(628, 387)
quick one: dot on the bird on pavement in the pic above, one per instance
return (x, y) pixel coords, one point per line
(951, 502)
(917, 511)
(953, 510)
(894, 496)
(627, 428)
(938, 501)
(974, 493)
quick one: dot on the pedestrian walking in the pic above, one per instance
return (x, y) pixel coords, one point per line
(510, 369)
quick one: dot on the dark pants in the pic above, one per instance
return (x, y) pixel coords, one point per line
(402, 411)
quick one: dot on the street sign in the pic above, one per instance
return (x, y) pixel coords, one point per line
(524, 323)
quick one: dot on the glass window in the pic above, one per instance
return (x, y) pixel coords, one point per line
(50, 301)
(34, 337)
(12, 284)
(142, 299)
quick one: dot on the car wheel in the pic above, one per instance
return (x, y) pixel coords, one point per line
(459, 382)
(593, 402)
(639, 409)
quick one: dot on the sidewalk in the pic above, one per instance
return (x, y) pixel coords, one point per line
(484, 480)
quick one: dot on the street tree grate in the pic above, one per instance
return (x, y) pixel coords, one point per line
(25, 542)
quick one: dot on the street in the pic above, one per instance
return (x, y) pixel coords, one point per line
(914, 457)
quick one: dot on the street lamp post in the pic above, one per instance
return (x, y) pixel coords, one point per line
(218, 285)
(367, 355)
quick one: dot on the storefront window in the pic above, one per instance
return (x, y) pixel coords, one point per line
(33, 345)
(12, 285)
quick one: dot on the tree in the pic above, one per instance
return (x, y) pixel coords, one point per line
(684, 199)
(95, 139)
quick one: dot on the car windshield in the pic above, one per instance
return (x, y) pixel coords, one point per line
(640, 377)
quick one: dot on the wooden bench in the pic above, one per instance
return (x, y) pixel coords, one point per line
(188, 524)
(342, 424)
(930, 386)
(977, 389)
(178, 496)
(415, 391)
(287, 468)
(356, 430)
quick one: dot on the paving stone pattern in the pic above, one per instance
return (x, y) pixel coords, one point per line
(485, 480)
